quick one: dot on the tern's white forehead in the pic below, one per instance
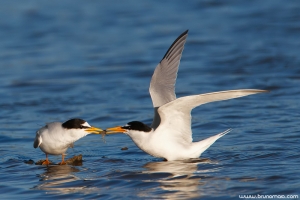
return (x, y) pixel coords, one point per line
(86, 124)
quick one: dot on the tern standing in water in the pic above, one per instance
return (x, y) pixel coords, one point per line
(170, 134)
(56, 137)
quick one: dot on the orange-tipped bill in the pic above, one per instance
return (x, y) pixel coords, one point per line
(94, 130)
(117, 129)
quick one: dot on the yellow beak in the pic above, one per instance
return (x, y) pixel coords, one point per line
(94, 130)
(117, 129)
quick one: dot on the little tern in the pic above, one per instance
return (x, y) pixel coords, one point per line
(170, 135)
(56, 137)
(172, 139)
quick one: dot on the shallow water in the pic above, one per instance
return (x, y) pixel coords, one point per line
(94, 60)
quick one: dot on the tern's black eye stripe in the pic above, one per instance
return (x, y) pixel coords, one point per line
(74, 123)
(138, 126)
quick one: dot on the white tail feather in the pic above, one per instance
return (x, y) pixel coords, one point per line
(201, 146)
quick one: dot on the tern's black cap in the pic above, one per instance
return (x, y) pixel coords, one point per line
(74, 123)
(138, 126)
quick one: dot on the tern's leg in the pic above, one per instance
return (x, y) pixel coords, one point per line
(46, 162)
(62, 160)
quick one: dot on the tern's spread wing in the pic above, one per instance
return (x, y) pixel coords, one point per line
(176, 115)
(162, 85)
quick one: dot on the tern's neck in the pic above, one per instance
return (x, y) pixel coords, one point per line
(139, 137)
(76, 135)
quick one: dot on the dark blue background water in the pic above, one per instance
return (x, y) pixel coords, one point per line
(94, 60)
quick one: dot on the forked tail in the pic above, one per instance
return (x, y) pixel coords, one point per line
(202, 145)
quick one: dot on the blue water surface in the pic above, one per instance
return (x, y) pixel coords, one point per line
(94, 60)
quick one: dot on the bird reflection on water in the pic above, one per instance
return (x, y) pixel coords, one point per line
(60, 179)
(175, 178)
(186, 177)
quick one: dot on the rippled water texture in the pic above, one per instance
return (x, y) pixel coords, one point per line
(94, 60)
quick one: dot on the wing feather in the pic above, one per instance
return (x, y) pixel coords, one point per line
(176, 115)
(162, 85)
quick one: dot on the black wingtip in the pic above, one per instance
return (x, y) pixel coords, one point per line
(180, 36)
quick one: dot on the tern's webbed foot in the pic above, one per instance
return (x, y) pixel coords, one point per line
(62, 163)
(46, 162)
